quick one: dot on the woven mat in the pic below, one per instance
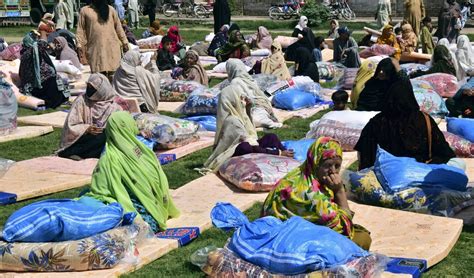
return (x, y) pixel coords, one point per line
(25, 132)
(55, 119)
(45, 175)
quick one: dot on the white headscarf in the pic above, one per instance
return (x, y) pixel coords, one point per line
(445, 42)
(303, 23)
(132, 80)
(464, 55)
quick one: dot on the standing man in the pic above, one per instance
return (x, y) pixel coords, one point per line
(414, 13)
(100, 38)
(150, 10)
(221, 14)
(133, 13)
(72, 8)
(448, 16)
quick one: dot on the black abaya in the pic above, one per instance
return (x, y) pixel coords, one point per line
(221, 14)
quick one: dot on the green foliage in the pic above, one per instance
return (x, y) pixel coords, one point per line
(316, 13)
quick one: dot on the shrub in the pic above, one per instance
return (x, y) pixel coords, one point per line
(316, 13)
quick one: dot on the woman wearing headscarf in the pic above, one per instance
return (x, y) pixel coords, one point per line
(262, 111)
(305, 39)
(193, 70)
(414, 12)
(388, 38)
(454, 60)
(334, 25)
(305, 65)
(46, 26)
(83, 133)
(129, 173)
(132, 80)
(235, 133)
(462, 104)
(346, 50)
(384, 13)
(234, 48)
(440, 63)
(409, 40)
(275, 64)
(219, 40)
(465, 57)
(402, 130)
(64, 52)
(364, 74)
(448, 15)
(372, 97)
(177, 46)
(38, 74)
(315, 192)
(262, 39)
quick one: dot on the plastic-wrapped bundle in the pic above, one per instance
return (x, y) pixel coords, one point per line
(150, 43)
(168, 132)
(264, 81)
(412, 67)
(306, 84)
(462, 127)
(208, 123)
(11, 52)
(5, 164)
(428, 100)
(221, 262)
(436, 201)
(330, 71)
(177, 90)
(344, 126)
(347, 80)
(101, 251)
(252, 60)
(202, 102)
(8, 108)
(256, 172)
(294, 99)
(460, 146)
(376, 50)
(446, 85)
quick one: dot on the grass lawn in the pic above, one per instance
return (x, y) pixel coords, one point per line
(177, 263)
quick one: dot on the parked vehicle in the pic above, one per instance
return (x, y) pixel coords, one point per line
(203, 10)
(14, 11)
(285, 11)
(340, 8)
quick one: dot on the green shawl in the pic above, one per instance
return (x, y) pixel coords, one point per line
(127, 164)
(235, 41)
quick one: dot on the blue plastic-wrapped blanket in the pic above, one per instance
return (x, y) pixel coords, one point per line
(63, 219)
(291, 247)
(398, 173)
(462, 127)
(208, 123)
(295, 99)
(299, 147)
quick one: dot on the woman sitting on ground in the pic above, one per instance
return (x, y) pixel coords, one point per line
(333, 25)
(462, 104)
(219, 40)
(240, 80)
(64, 52)
(465, 57)
(275, 64)
(305, 65)
(154, 30)
(236, 134)
(177, 46)
(388, 38)
(38, 74)
(402, 130)
(193, 70)
(409, 40)
(262, 39)
(83, 133)
(315, 192)
(234, 48)
(305, 39)
(372, 96)
(445, 43)
(364, 74)
(440, 63)
(132, 80)
(129, 173)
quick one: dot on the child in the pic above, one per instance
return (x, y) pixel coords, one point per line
(154, 30)
(165, 59)
(340, 98)
(133, 13)
(398, 33)
(427, 44)
(319, 45)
